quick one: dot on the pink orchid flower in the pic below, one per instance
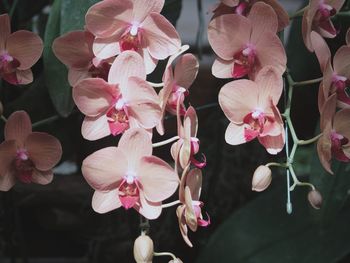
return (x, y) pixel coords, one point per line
(317, 17)
(242, 7)
(129, 176)
(251, 108)
(136, 25)
(335, 127)
(74, 49)
(26, 156)
(125, 101)
(176, 85)
(246, 44)
(347, 38)
(190, 213)
(184, 150)
(336, 75)
(19, 51)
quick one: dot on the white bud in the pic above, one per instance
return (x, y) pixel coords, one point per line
(261, 179)
(315, 199)
(177, 260)
(143, 249)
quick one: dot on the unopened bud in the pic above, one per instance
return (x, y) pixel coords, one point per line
(143, 249)
(177, 260)
(261, 178)
(315, 199)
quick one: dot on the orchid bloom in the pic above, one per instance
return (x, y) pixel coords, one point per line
(335, 127)
(347, 37)
(246, 44)
(242, 7)
(74, 49)
(189, 213)
(125, 101)
(317, 17)
(19, 51)
(129, 176)
(26, 156)
(336, 75)
(184, 150)
(176, 85)
(251, 108)
(136, 25)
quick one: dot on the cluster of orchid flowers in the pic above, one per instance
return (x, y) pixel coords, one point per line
(108, 64)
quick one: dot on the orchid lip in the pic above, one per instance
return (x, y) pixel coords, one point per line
(22, 154)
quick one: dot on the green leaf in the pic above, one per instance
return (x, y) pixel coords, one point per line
(56, 74)
(262, 232)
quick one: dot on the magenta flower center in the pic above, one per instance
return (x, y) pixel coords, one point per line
(322, 18)
(176, 94)
(8, 64)
(338, 142)
(242, 8)
(131, 40)
(23, 166)
(128, 191)
(244, 61)
(256, 121)
(342, 87)
(117, 116)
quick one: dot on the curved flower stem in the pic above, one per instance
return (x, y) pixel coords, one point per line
(307, 82)
(13, 8)
(312, 140)
(297, 182)
(171, 204)
(3, 118)
(156, 85)
(284, 165)
(164, 254)
(298, 13)
(45, 121)
(158, 144)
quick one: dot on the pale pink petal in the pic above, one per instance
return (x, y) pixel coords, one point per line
(74, 49)
(24, 77)
(7, 181)
(105, 169)
(307, 20)
(222, 68)
(182, 224)
(194, 182)
(26, 47)
(185, 150)
(135, 143)
(7, 155)
(18, 127)
(95, 128)
(348, 37)
(142, 8)
(42, 177)
(44, 150)
(5, 30)
(103, 202)
(142, 103)
(150, 210)
(321, 49)
(158, 179)
(192, 116)
(283, 17)
(190, 215)
(238, 98)
(150, 62)
(328, 79)
(106, 47)
(235, 134)
(328, 111)
(270, 83)
(273, 144)
(109, 17)
(227, 34)
(75, 76)
(341, 61)
(127, 64)
(186, 70)
(341, 123)
(161, 36)
(94, 96)
(175, 150)
(263, 19)
(230, 3)
(324, 149)
(321, 99)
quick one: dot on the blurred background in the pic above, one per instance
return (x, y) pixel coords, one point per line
(56, 224)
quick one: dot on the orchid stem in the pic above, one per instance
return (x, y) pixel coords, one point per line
(45, 121)
(13, 8)
(164, 254)
(156, 85)
(312, 140)
(307, 82)
(3, 118)
(171, 204)
(162, 143)
(284, 165)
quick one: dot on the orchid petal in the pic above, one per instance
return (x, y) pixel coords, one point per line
(95, 128)
(18, 127)
(321, 49)
(5, 30)
(42, 177)
(103, 202)
(186, 70)
(150, 210)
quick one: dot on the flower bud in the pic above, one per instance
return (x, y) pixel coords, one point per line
(315, 199)
(261, 178)
(143, 249)
(177, 260)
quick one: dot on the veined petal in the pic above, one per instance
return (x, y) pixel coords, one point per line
(182, 224)
(238, 98)
(347, 37)
(105, 169)
(235, 134)
(75, 76)
(150, 210)
(321, 49)
(158, 179)
(161, 36)
(194, 182)
(105, 48)
(186, 70)
(18, 127)
(5, 30)
(227, 34)
(94, 96)
(7, 155)
(282, 15)
(324, 149)
(95, 128)
(328, 111)
(23, 77)
(42, 177)
(103, 202)
(273, 144)
(150, 62)
(341, 61)
(341, 122)
(193, 120)
(44, 150)
(26, 47)
(7, 181)
(142, 8)
(222, 68)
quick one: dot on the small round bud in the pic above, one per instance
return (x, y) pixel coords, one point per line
(315, 199)
(262, 178)
(1, 108)
(143, 249)
(177, 260)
